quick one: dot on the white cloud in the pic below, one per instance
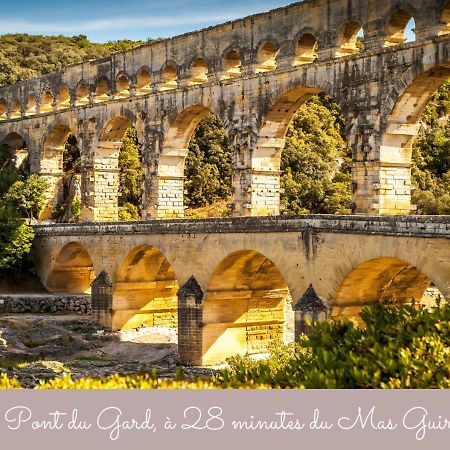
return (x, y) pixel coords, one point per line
(113, 23)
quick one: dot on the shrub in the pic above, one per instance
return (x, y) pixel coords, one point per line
(402, 347)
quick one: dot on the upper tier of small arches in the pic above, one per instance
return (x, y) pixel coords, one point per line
(267, 55)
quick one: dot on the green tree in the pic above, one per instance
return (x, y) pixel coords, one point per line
(27, 197)
(16, 239)
(23, 198)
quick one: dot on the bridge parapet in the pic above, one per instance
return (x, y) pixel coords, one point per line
(419, 226)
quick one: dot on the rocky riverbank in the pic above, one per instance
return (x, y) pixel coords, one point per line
(45, 346)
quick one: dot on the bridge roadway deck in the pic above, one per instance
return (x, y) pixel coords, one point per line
(417, 226)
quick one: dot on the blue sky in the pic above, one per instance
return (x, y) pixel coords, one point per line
(104, 20)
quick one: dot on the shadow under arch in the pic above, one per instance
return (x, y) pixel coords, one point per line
(145, 291)
(72, 272)
(384, 280)
(245, 307)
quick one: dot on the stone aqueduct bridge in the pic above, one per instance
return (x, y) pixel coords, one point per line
(235, 284)
(229, 284)
(254, 73)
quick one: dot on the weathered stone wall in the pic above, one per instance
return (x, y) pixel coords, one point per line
(45, 303)
(256, 76)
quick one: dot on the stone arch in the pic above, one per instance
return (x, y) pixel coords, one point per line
(172, 160)
(72, 272)
(63, 98)
(46, 104)
(445, 19)
(269, 143)
(122, 85)
(396, 24)
(231, 64)
(31, 106)
(102, 90)
(400, 115)
(266, 56)
(51, 166)
(18, 148)
(306, 49)
(169, 76)
(145, 291)
(385, 280)
(143, 81)
(16, 109)
(348, 38)
(198, 71)
(82, 94)
(3, 110)
(102, 201)
(244, 307)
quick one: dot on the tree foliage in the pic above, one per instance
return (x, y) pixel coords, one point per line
(130, 176)
(431, 157)
(208, 164)
(402, 347)
(315, 162)
(21, 196)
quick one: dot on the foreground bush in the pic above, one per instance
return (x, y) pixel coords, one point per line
(401, 347)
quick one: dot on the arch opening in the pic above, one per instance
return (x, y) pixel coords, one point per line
(46, 102)
(82, 95)
(122, 86)
(301, 156)
(169, 78)
(144, 82)
(145, 291)
(31, 106)
(445, 19)
(199, 72)
(208, 157)
(130, 177)
(389, 281)
(16, 109)
(231, 65)
(101, 93)
(18, 150)
(306, 49)
(3, 110)
(60, 167)
(72, 271)
(103, 202)
(350, 39)
(63, 98)
(404, 124)
(245, 307)
(399, 28)
(266, 59)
